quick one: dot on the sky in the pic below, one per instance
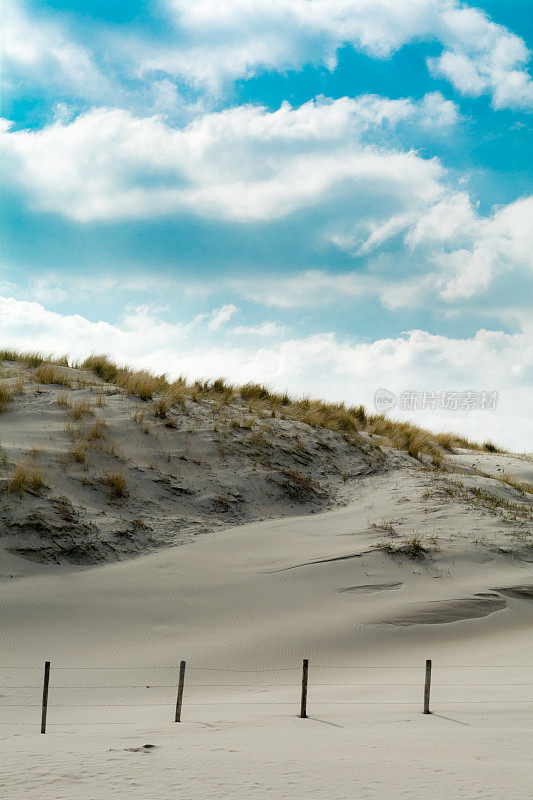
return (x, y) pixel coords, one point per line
(332, 197)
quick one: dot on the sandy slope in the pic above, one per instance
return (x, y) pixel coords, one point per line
(260, 597)
(244, 604)
(205, 466)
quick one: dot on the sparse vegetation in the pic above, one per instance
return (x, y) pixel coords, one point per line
(32, 359)
(221, 503)
(347, 420)
(25, 478)
(101, 366)
(96, 431)
(411, 547)
(490, 447)
(298, 487)
(522, 486)
(116, 485)
(52, 374)
(5, 396)
(79, 452)
(80, 409)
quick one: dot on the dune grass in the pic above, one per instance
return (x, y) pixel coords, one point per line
(5, 396)
(116, 485)
(25, 478)
(51, 374)
(32, 359)
(79, 409)
(350, 421)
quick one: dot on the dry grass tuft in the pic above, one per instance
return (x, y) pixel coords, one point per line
(490, 447)
(79, 452)
(141, 383)
(5, 396)
(51, 374)
(448, 441)
(405, 436)
(80, 409)
(96, 431)
(116, 485)
(102, 366)
(25, 478)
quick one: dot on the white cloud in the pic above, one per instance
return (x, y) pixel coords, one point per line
(264, 329)
(222, 42)
(322, 365)
(210, 44)
(40, 50)
(221, 315)
(482, 57)
(461, 251)
(242, 164)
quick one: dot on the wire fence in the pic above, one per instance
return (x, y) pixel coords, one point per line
(60, 694)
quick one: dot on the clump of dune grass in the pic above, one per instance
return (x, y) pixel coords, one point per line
(299, 488)
(405, 436)
(102, 366)
(96, 431)
(141, 383)
(51, 374)
(116, 485)
(5, 396)
(62, 399)
(80, 409)
(448, 441)
(490, 447)
(25, 478)
(411, 547)
(79, 452)
(175, 394)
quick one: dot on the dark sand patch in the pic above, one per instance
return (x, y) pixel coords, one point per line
(370, 588)
(438, 612)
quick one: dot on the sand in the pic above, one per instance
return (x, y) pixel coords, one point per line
(243, 604)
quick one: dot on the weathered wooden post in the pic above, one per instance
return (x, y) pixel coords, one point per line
(180, 692)
(303, 705)
(45, 695)
(427, 687)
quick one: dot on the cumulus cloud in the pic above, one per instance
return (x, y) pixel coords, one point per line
(244, 163)
(322, 365)
(242, 38)
(41, 51)
(209, 45)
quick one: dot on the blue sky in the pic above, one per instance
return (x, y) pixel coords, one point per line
(328, 196)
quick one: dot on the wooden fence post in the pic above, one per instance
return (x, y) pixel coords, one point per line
(180, 692)
(303, 705)
(427, 687)
(45, 695)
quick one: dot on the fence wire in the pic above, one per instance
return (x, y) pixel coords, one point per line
(196, 681)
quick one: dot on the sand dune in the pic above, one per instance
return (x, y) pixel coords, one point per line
(366, 577)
